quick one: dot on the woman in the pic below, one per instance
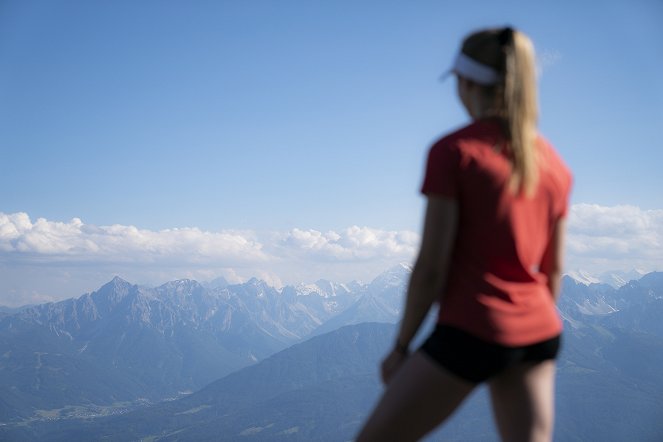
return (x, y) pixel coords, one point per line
(491, 255)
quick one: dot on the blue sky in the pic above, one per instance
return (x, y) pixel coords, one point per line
(262, 118)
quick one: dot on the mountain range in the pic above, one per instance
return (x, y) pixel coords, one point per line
(615, 278)
(121, 363)
(127, 345)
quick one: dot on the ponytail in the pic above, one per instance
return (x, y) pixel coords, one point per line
(511, 53)
(520, 105)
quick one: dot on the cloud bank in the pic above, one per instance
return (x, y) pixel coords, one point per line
(69, 258)
(43, 241)
(50, 241)
(43, 260)
(621, 237)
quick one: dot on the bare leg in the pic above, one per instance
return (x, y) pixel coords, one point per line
(523, 402)
(421, 395)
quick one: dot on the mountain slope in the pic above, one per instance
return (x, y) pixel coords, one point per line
(124, 342)
(339, 366)
(608, 388)
(609, 383)
(381, 301)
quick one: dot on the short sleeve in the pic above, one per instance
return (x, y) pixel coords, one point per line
(562, 181)
(566, 194)
(442, 171)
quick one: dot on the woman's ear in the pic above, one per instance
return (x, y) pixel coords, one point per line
(466, 94)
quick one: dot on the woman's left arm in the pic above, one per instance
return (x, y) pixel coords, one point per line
(429, 275)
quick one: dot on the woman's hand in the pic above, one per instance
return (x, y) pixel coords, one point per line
(391, 364)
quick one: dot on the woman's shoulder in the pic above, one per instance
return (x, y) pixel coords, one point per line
(481, 131)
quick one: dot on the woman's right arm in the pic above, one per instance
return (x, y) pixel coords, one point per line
(428, 277)
(552, 263)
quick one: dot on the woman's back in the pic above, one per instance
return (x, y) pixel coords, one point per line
(495, 289)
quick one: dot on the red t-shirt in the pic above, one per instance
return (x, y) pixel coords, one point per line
(494, 290)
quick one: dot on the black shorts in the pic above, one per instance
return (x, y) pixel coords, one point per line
(476, 360)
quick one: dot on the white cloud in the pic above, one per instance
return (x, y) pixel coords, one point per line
(34, 253)
(352, 244)
(621, 237)
(50, 241)
(46, 260)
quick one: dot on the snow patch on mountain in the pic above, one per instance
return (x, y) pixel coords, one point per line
(322, 288)
(614, 278)
(599, 307)
(395, 277)
(620, 278)
(583, 277)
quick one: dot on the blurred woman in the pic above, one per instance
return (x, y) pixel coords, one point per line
(491, 256)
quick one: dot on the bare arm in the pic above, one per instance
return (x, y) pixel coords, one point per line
(428, 278)
(430, 271)
(552, 263)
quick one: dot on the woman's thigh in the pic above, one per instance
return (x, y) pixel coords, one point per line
(421, 395)
(523, 401)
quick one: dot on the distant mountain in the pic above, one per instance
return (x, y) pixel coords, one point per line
(63, 363)
(615, 279)
(11, 310)
(279, 398)
(636, 306)
(578, 299)
(609, 388)
(620, 278)
(640, 306)
(381, 301)
(217, 283)
(122, 343)
(126, 345)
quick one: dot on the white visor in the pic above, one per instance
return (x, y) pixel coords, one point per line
(475, 71)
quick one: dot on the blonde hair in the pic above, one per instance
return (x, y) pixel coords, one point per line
(511, 53)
